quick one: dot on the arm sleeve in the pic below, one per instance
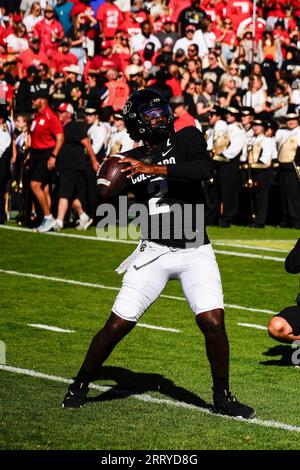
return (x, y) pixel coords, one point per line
(98, 138)
(198, 164)
(266, 156)
(55, 125)
(292, 262)
(236, 144)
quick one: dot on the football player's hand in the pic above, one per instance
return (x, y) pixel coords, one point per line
(136, 167)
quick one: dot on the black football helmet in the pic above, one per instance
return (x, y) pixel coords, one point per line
(148, 116)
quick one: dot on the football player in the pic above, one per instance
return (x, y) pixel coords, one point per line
(166, 171)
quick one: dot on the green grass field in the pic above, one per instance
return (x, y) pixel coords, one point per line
(156, 387)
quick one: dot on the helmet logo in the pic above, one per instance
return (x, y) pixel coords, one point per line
(127, 107)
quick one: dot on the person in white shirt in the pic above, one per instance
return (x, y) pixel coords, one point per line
(98, 133)
(216, 138)
(187, 40)
(16, 41)
(229, 169)
(120, 140)
(258, 154)
(204, 41)
(26, 5)
(139, 41)
(288, 146)
(33, 18)
(217, 128)
(256, 96)
(5, 156)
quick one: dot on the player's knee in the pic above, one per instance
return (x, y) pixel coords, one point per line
(277, 327)
(211, 322)
(116, 324)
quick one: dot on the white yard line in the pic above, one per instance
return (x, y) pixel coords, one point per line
(62, 330)
(251, 309)
(100, 286)
(242, 240)
(149, 399)
(70, 235)
(50, 328)
(251, 247)
(252, 325)
(161, 328)
(249, 255)
(132, 242)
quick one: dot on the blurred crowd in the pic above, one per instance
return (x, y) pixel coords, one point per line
(237, 81)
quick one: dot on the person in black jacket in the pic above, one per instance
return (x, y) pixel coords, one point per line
(285, 326)
(75, 153)
(163, 173)
(27, 87)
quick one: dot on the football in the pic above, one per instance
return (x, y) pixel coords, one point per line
(110, 180)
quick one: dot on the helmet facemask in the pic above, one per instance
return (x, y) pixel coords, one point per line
(157, 123)
(148, 117)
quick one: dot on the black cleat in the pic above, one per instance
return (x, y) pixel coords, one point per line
(227, 404)
(75, 396)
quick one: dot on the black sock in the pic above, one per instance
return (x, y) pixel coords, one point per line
(83, 376)
(220, 384)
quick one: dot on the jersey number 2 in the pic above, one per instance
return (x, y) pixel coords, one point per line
(159, 187)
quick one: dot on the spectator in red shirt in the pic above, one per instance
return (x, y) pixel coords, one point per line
(47, 138)
(238, 11)
(33, 56)
(174, 80)
(106, 60)
(227, 37)
(182, 117)
(110, 18)
(118, 91)
(63, 57)
(130, 23)
(138, 9)
(49, 31)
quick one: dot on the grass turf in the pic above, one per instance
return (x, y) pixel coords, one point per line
(158, 363)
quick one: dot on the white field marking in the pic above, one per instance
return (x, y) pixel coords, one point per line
(250, 309)
(100, 286)
(50, 328)
(152, 327)
(62, 330)
(158, 401)
(132, 242)
(251, 247)
(71, 235)
(249, 255)
(241, 240)
(252, 325)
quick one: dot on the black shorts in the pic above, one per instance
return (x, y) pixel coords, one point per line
(38, 169)
(292, 316)
(72, 185)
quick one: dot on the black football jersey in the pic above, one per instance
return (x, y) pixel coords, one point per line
(174, 203)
